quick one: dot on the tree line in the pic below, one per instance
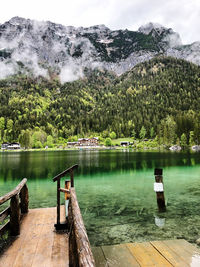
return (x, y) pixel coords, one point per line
(156, 99)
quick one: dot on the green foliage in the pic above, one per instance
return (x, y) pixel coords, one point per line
(108, 141)
(113, 135)
(183, 140)
(142, 132)
(38, 144)
(156, 98)
(25, 139)
(191, 140)
(152, 132)
(49, 141)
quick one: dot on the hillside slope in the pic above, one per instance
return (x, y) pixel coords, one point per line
(161, 93)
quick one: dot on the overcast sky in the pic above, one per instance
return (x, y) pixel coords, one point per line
(183, 16)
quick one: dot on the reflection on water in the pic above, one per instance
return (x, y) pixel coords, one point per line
(160, 222)
(115, 191)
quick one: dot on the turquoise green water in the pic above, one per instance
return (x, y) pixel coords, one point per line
(115, 191)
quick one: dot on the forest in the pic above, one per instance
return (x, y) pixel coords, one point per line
(157, 100)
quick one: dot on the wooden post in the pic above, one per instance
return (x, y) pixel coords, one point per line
(72, 177)
(81, 246)
(15, 215)
(158, 188)
(58, 201)
(24, 199)
(67, 186)
(67, 197)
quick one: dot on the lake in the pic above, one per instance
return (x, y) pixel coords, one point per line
(115, 190)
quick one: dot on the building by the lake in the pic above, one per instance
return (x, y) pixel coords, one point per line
(10, 146)
(93, 141)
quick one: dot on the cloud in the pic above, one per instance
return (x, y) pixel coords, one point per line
(6, 70)
(183, 15)
(71, 72)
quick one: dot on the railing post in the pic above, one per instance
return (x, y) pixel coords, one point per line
(158, 188)
(15, 215)
(59, 225)
(24, 199)
(67, 197)
(67, 186)
(72, 177)
(58, 201)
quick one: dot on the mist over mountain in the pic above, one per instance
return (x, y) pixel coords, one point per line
(46, 48)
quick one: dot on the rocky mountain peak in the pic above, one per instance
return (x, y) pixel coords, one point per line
(147, 28)
(37, 46)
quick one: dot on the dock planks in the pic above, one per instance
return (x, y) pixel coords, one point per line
(38, 245)
(177, 253)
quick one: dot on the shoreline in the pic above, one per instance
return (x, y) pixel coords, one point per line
(116, 148)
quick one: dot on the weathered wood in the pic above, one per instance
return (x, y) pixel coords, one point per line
(24, 199)
(160, 195)
(180, 248)
(72, 177)
(85, 256)
(146, 253)
(67, 197)
(15, 215)
(4, 214)
(64, 190)
(13, 192)
(99, 257)
(67, 186)
(168, 253)
(58, 201)
(38, 244)
(62, 174)
(119, 255)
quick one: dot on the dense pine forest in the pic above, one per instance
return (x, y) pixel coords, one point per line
(158, 99)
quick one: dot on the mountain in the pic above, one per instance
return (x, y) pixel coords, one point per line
(161, 95)
(46, 48)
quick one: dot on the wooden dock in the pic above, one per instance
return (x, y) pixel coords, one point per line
(38, 244)
(178, 253)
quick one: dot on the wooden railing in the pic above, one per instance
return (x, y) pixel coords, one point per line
(80, 253)
(18, 205)
(70, 171)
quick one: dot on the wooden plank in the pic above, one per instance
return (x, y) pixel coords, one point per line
(187, 246)
(118, 256)
(26, 255)
(147, 255)
(9, 256)
(43, 250)
(60, 250)
(13, 192)
(38, 244)
(189, 256)
(169, 254)
(100, 260)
